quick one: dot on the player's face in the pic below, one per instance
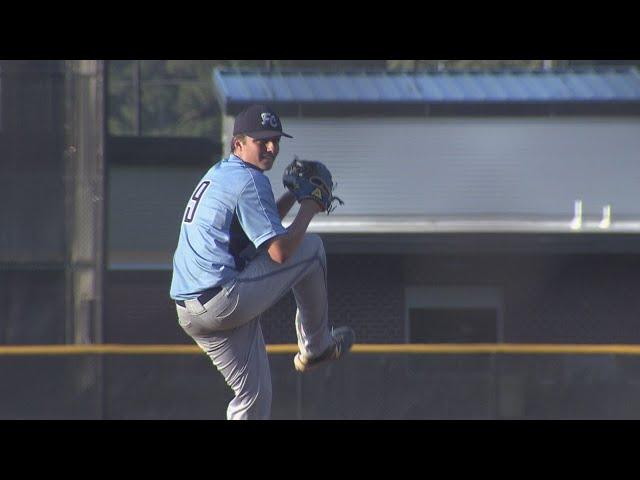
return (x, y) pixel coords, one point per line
(261, 153)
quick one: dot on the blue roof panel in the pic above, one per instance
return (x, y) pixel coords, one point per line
(577, 86)
(491, 88)
(558, 90)
(428, 88)
(232, 88)
(365, 88)
(320, 88)
(300, 88)
(259, 88)
(472, 88)
(599, 87)
(535, 87)
(389, 88)
(408, 87)
(605, 84)
(449, 86)
(516, 88)
(627, 86)
(337, 88)
(281, 90)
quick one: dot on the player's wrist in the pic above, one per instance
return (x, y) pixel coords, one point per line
(311, 205)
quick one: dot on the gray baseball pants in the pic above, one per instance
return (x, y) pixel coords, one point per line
(227, 327)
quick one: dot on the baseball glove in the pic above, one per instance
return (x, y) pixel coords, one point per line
(311, 179)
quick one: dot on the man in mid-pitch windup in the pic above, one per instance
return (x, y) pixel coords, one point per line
(234, 260)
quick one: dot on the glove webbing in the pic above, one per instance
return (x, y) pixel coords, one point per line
(318, 182)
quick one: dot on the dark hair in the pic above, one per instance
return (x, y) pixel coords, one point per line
(239, 136)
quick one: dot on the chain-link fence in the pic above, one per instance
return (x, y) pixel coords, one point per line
(52, 201)
(360, 386)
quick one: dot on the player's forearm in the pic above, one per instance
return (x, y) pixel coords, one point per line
(284, 203)
(297, 229)
(284, 246)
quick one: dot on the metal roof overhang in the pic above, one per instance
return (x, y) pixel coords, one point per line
(400, 235)
(605, 90)
(347, 224)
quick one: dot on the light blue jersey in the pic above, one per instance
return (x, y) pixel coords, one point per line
(231, 213)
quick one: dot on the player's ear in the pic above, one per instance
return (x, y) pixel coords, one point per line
(235, 142)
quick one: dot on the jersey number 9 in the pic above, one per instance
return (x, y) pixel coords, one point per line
(195, 200)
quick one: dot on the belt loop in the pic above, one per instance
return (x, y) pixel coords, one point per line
(228, 288)
(194, 306)
(201, 299)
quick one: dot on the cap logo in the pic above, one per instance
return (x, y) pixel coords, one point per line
(270, 119)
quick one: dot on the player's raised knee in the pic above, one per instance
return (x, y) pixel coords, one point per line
(313, 240)
(312, 237)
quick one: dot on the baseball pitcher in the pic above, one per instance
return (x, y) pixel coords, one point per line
(234, 260)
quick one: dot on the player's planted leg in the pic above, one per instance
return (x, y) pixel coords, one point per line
(343, 340)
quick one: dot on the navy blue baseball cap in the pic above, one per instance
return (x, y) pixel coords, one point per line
(259, 122)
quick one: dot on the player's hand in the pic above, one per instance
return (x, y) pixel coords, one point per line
(313, 180)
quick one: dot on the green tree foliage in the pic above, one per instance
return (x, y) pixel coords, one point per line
(121, 105)
(177, 97)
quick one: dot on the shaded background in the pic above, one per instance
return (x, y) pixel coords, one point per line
(96, 161)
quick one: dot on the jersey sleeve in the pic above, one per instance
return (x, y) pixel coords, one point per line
(257, 210)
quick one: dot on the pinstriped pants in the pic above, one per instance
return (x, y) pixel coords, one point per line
(227, 327)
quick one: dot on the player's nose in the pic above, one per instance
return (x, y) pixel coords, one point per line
(272, 146)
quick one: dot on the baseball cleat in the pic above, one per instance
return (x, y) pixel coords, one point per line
(343, 340)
